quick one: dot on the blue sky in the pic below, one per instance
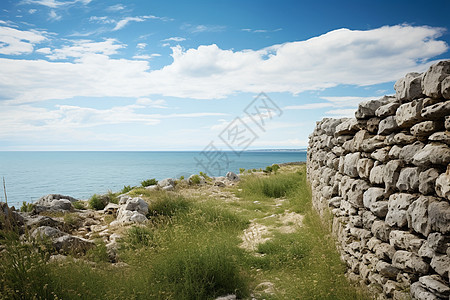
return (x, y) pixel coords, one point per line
(175, 75)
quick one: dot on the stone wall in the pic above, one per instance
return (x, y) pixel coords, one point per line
(385, 178)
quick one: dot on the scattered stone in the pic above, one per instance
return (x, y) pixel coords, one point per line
(111, 209)
(232, 176)
(166, 182)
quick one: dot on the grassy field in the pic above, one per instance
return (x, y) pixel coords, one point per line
(192, 248)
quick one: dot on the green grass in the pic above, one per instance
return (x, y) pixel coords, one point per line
(189, 250)
(97, 202)
(149, 182)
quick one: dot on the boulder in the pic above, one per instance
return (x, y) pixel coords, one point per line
(349, 126)
(364, 166)
(55, 205)
(432, 154)
(407, 152)
(441, 136)
(111, 209)
(418, 291)
(433, 77)
(443, 185)
(409, 262)
(441, 264)
(48, 199)
(125, 217)
(373, 195)
(44, 232)
(381, 155)
(408, 180)
(397, 209)
(424, 129)
(351, 163)
(137, 204)
(403, 139)
(168, 188)
(372, 125)
(201, 178)
(366, 109)
(436, 285)
(166, 182)
(387, 125)
(387, 110)
(409, 87)
(376, 174)
(387, 270)
(232, 176)
(404, 240)
(72, 244)
(417, 215)
(381, 230)
(391, 172)
(439, 216)
(409, 114)
(437, 111)
(445, 87)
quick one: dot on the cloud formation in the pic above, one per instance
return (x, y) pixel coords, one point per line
(15, 42)
(341, 56)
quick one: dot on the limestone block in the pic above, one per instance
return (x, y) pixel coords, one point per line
(409, 262)
(391, 172)
(427, 181)
(376, 174)
(436, 285)
(357, 141)
(445, 87)
(433, 77)
(372, 125)
(417, 215)
(409, 87)
(443, 185)
(379, 208)
(441, 136)
(387, 110)
(372, 195)
(366, 109)
(447, 122)
(424, 129)
(369, 145)
(409, 114)
(439, 216)
(381, 155)
(432, 154)
(441, 264)
(394, 153)
(364, 166)
(418, 291)
(404, 139)
(405, 240)
(387, 270)
(381, 230)
(355, 194)
(387, 125)
(407, 153)
(397, 209)
(408, 180)
(384, 251)
(349, 126)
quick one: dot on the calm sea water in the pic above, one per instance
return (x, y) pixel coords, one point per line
(30, 175)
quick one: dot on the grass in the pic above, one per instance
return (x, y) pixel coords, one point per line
(190, 250)
(97, 202)
(149, 182)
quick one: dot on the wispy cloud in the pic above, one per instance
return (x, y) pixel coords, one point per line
(32, 11)
(81, 48)
(146, 56)
(174, 39)
(101, 20)
(141, 45)
(52, 15)
(15, 42)
(114, 8)
(122, 23)
(261, 30)
(202, 28)
(55, 3)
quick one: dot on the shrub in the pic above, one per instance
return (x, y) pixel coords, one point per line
(181, 178)
(275, 168)
(140, 236)
(268, 169)
(79, 204)
(112, 197)
(204, 175)
(26, 207)
(126, 189)
(149, 182)
(167, 205)
(195, 179)
(241, 170)
(98, 202)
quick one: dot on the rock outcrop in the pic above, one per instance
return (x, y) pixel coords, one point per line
(385, 177)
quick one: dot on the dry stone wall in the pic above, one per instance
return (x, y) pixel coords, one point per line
(385, 178)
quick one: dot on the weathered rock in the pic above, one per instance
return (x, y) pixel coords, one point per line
(445, 87)
(111, 209)
(405, 240)
(201, 180)
(408, 180)
(379, 208)
(418, 291)
(394, 153)
(443, 185)
(232, 176)
(441, 264)
(398, 205)
(364, 166)
(137, 204)
(417, 215)
(44, 232)
(433, 77)
(72, 244)
(410, 262)
(349, 126)
(125, 217)
(381, 155)
(391, 172)
(48, 199)
(387, 270)
(166, 182)
(424, 129)
(387, 110)
(355, 194)
(372, 125)
(409, 114)
(373, 195)
(442, 137)
(366, 109)
(432, 154)
(427, 181)
(376, 174)
(404, 139)
(438, 242)
(38, 221)
(447, 123)
(409, 87)
(368, 145)
(436, 285)
(384, 251)
(381, 230)
(351, 163)
(407, 153)
(387, 125)
(439, 216)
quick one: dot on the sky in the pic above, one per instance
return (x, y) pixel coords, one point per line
(195, 75)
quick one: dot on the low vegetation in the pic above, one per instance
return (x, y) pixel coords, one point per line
(191, 249)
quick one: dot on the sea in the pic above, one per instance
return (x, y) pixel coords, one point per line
(29, 175)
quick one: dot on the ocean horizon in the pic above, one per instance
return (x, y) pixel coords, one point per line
(30, 175)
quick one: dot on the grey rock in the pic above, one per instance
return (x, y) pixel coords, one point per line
(381, 155)
(404, 139)
(166, 182)
(409, 262)
(408, 180)
(137, 204)
(364, 166)
(441, 136)
(335, 202)
(432, 154)
(443, 185)
(409, 87)
(372, 195)
(424, 129)
(350, 164)
(355, 194)
(350, 126)
(366, 109)
(405, 240)
(202, 179)
(441, 264)
(394, 153)
(445, 87)
(219, 183)
(427, 180)
(447, 122)
(438, 242)
(418, 291)
(398, 205)
(432, 78)
(369, 145)
(48, 199)
(437, 111)
(391, 172)
(232, 176)
(358, 140)
(372, 125)
(387, 125)
(152, 187)
(384, 251)
(111, 209)
(417, 215)
(38, 221)
(125, 217)
(407, 153)
(379, 208)
(439, 216)
(72, 244)
(168, 188)
(381, 230)
(387, 110)
(435, 284)
(376, 174)
(387, 270)
(409, 114)
(44, 232)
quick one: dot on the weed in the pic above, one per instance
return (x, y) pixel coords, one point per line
(126, 189)
(26, 207)
(167, 205)
(241, 170)
(149, 182)
(98, 202)
(79, 204)
(195, 179)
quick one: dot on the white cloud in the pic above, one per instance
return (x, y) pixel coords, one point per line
(341, 113)
(160, 103)
(146, 56)
(202, 28)
(174, 39)
(308, 106)
(52, 15)
(338, 57)
(141, 45)
(15, 42)
(54, 3)
(44, 50)
(117, 7)
(261, 30)
(83, 48)
(122, 23)
(101, 20)
(32, 11)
